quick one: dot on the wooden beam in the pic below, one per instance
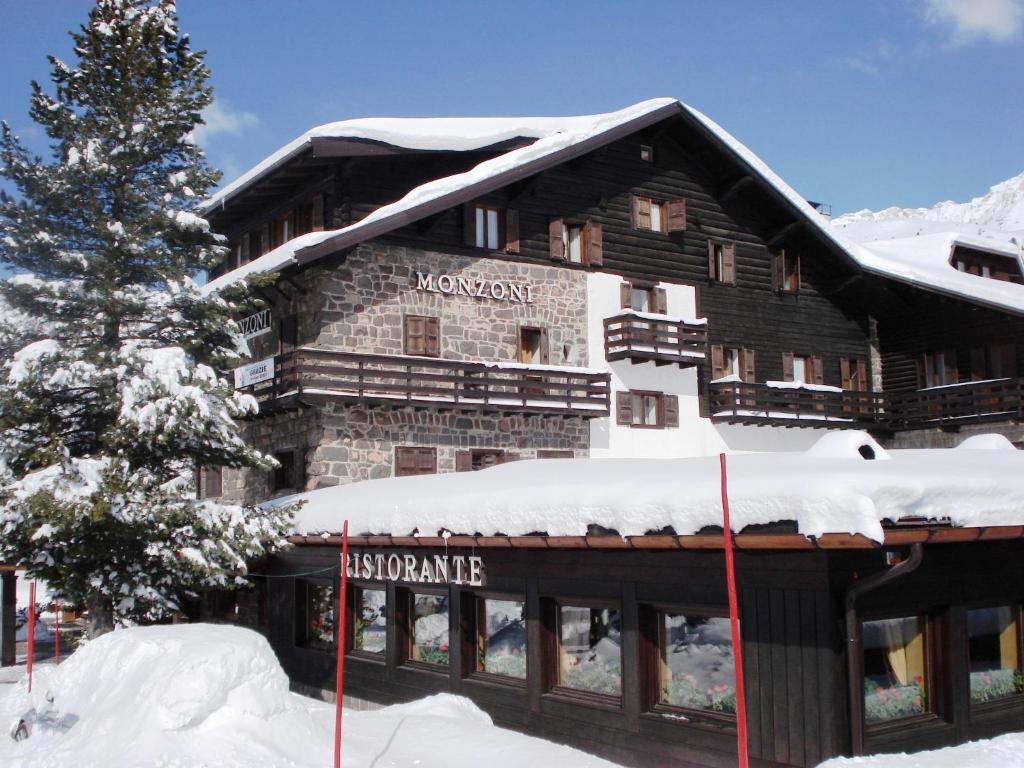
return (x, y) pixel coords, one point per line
(733, 186)
(780, 234)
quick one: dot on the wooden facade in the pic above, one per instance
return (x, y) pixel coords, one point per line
(791, 610)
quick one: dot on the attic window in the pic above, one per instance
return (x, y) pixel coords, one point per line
(647, 153)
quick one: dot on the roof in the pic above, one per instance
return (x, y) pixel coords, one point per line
(829, 489)
(557, 140)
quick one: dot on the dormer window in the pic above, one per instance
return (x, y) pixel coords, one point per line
(490, 227)
(486, 227)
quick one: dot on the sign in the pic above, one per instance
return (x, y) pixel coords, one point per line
(254, 373)
(256, 325)
(417, 569)
(498, 290)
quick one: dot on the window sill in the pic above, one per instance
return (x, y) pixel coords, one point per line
(368, 656)
(422, 666)
(498, 682)
(900, 726)
(1006, 705)
(710, 720)
(585, 698)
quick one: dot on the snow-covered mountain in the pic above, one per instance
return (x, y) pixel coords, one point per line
(998, 214)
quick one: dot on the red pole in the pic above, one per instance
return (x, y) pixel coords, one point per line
(340, 637)
(734, 621)
(56, 631)
(31, 630)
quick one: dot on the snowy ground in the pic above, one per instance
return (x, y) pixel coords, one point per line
(1002, 752)
(206, 695)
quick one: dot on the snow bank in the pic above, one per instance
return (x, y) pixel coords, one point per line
(829, 489)
(211, 695)
(1003, 752)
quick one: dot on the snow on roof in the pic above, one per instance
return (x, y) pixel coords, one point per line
(829, 489)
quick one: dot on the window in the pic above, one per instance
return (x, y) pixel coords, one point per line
(576, 242)
(415, 461)
(895, 669)
(807, 369)
(939, 368)
(490, 227)
(370, 630)
(659, 215)
(721, 262)
(428, 640)
(422, 336)
(787, 271)
(533, 346)
(211, 483)
(854, 374)
(996, 361)
(643, 297)
(647, 153)
(547, 453)
(994, 651)
(696, 663)
(315, 615)
(472, 461)
(732, 361)
(486, 228)
(589, 649)
(289, 474)
(650, 410)
(501, 637)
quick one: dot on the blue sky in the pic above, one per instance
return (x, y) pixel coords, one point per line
(857, 104)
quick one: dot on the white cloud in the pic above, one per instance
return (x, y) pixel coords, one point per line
(221, 118)
(999, 21)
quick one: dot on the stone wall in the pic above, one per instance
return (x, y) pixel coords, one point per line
(940, 438)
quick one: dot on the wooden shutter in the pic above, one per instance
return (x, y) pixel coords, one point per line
(415, 335)
(556, 245)
(595, 244)
(747, 364)
(511, 230)
(787, 366)
(729, 263)
(817, 370)
(676, 215)
(949, 361)
(463, 461)
(979, 370)
(214, 482)
(671, 403)
(862, 376)
(641, 212)
(844, 372)
(405, 462)
(545, 348)
(779, 270)
(318, 213)
(432, 334)
(712, 273)
(717, 361)
(626, 295)
(660, 301)
(469, 225)
(623, 408)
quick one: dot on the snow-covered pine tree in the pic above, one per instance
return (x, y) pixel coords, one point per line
(111, 394)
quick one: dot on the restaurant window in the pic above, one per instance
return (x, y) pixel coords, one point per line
(939, 368)
(659, 215)
(787, 271)
(422, 336)
(896, 681)
(501, 637)
(721, 262)
(590, 649)
(428, 638)
(415, 461)
(315, 615)
(994, 650)
(647, 410)
(696, 663)
(576, 242)
(370, 631)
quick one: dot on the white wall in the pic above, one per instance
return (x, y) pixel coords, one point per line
(695, 436)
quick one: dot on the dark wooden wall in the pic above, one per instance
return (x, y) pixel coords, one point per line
(792, 657)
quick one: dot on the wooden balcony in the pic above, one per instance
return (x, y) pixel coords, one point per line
(397, 380)
(640, 337)
(950, 406)
(761, 404)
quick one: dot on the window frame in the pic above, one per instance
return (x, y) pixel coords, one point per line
(355, 586)
(472, 610)
(417, 450)
(1013, 700)
(584, 227)
(721, 262)
(405, 622)
(553, 659)
(659, 417)
(300, 638)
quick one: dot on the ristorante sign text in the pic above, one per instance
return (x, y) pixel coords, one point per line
(498, 290)
(417, 569)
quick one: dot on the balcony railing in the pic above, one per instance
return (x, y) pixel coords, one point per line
(642, 337)
(949, 406)
(442, 384)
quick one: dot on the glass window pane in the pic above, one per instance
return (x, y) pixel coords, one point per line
(492, 229)
(733, 364)
(799, 369)
(638, 414)
(371, 620)
(430, 629)
(589, 649)
(501, 648)
(650, 409)
(993, 650)
(894, 669)
(656, 216)
(641, 300)
(319, 610)
(574, 244)
(480, 231)
(697, 663)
